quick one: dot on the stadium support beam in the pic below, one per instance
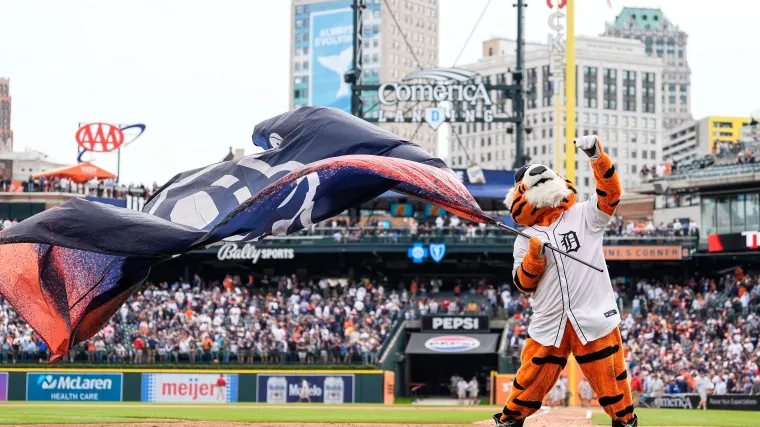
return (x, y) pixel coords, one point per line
(354, 76)
(518, 102)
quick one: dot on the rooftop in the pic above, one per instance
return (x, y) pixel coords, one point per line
(641, 18)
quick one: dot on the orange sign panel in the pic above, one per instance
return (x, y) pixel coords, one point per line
(645, 253)
(389, 387)
(501, 386)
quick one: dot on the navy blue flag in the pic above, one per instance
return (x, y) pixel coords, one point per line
(67, 270)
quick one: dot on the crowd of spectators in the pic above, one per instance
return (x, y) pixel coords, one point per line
(272, 320)
(96, 187)
(619, 227)
(700, 336)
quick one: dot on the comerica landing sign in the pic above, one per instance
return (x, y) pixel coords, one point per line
(452, 86)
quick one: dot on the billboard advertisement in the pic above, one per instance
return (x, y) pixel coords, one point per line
(645, 253)
(437, 323)
(189, 388)
(330, 389)
(331, 41)
(3, 386)
(73, 387)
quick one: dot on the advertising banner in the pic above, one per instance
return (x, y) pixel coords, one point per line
(389, 387)
(190, 388)
(330, 389)
(671, 401)
(645, 253)
(736, 242)
(501, 387)
(73, 387)
(331, 40)
(3, 386)
(428, 343)
(455, 323)
(738, 402)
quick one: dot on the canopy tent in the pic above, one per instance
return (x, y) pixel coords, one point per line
(80, 173)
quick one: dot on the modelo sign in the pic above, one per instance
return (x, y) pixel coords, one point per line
(189, 388)
(73, 387)
(455, 323)
(251, 252)
(330, 389)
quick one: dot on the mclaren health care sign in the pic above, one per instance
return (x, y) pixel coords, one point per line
(331, 38)
(73, 387)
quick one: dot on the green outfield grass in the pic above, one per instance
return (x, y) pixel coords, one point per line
(88, 414)
(683, 417)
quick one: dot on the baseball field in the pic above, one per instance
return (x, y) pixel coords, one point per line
(342, 416)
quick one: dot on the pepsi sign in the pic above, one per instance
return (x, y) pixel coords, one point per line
(455, 323)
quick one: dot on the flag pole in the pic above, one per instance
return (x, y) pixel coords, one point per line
(549, 246)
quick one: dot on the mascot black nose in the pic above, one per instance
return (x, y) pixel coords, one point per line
(538, 170)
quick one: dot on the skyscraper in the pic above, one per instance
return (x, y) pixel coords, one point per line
(663, 39)
(399, 37)
(616, 99)
(6, 134)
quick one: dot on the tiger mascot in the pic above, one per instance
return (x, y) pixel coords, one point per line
(574, 308)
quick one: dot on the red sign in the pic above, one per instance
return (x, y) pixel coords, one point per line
(100, 137)
(562, 4)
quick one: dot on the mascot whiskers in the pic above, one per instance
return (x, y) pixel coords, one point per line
(574, 308)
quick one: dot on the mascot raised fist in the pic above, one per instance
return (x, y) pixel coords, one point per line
(574, 308)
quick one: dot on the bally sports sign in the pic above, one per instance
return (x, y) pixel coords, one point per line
(455, 323)
(251, 252)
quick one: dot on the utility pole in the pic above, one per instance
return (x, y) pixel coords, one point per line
(518, 103)
(354, 76)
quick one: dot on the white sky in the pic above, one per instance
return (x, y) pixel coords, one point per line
(201, 76)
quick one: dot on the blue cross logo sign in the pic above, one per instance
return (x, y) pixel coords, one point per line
(417, 253)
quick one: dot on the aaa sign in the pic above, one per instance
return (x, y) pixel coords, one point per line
(104, 137)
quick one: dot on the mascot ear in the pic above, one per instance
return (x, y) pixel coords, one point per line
(509, 199)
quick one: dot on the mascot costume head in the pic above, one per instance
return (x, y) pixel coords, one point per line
(540, 196)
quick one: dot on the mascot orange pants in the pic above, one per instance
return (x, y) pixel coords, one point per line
(599, 360)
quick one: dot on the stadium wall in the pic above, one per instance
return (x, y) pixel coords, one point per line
(188, 386)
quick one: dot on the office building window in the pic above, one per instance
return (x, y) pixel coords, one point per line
(589, 87)
(629, 90)
(609, 89)
(532, 81)
(647, 92)
(548, 90)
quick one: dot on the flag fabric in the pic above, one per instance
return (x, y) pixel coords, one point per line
(67, 270)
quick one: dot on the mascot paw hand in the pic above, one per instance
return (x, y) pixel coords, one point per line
(590, 145)
(537, 246)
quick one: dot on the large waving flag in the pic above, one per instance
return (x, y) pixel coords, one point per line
(68, 270)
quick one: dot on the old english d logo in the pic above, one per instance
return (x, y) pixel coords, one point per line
(437, 251)
(435, 116)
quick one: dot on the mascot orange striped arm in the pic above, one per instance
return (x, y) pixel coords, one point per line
(574, 308)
